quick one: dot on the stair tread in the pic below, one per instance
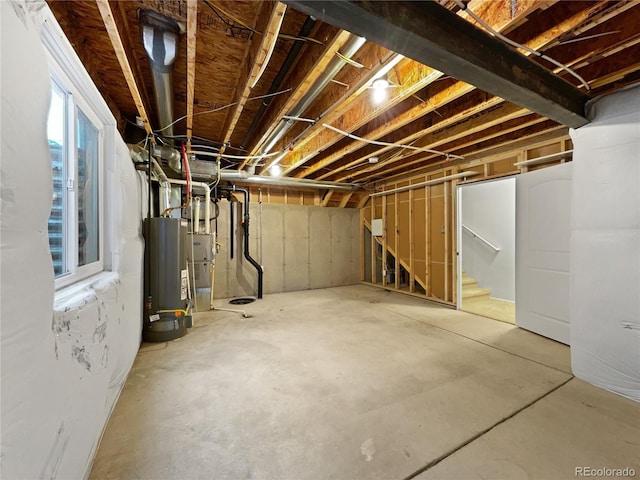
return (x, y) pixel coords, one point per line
(469, 281)
(475, 292)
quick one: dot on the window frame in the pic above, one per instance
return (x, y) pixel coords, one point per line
(78, 98)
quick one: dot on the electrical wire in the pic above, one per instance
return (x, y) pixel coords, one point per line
(299, 119)
(496, 34)
(259, 97)
(387, 144)
(349, 61)
(243, 26)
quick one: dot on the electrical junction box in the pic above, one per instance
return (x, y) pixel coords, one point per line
(376, 227)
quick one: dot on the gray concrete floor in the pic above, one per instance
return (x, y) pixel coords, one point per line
(358, 383)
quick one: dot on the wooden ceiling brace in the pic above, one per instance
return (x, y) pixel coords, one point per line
(118, 47)
(345, 199)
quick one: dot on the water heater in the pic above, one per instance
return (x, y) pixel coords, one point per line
(165, 281)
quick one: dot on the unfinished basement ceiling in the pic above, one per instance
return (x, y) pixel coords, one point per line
(230, 40)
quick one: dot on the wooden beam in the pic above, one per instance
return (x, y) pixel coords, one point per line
(447, 218)
(327, 197)
(373, 244)
(356, 109)
(412, 254)
(363, 200)
(427, 238)
(345, 199)
(422, 31)
(128, 39)
(396, 241)
(451, 123)
(462, 130)
(260, 58)
(70, 23)
(384, 241)
(447, 95)
(362, 259)
(504, 16)
(473, 141)
(121, 55)
(192, 28)
(303, 87)
(444, 97)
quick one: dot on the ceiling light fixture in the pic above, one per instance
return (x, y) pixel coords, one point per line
(381, 82)
(275, 170)
(379, 86)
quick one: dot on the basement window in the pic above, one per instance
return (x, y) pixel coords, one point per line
(75, 223)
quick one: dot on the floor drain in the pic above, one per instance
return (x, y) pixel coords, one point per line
(242, 300)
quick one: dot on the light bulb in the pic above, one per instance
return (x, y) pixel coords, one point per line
(275, 170)
(381, 82)
(379, 95)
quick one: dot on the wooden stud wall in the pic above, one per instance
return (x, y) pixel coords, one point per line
(420, 224)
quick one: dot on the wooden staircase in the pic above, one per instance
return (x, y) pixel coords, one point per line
(471, 290)
(419, 279)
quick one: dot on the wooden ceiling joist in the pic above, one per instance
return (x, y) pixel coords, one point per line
(301, 89)
(259, 62)
(448, 130)
(192, 28)
(480, 135)
(539, 42)
(474, 56)
(412, 77)
(118, 47)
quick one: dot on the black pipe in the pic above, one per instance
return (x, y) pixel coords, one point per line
(232, 228)
(291, 56)
(257, 266)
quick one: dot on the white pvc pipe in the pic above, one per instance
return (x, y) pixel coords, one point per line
(195, 226)
(207, 199)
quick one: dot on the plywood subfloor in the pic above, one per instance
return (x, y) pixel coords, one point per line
(354, 383)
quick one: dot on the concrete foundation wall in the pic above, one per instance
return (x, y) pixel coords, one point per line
(301, 247)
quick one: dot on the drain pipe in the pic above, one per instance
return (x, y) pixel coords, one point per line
(232, 226)
(348, 50)
(245, 207)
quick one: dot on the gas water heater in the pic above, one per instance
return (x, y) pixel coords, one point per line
(166, 281)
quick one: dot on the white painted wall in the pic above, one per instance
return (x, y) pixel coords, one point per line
(64, 355)
(605, 246)
(488, 208)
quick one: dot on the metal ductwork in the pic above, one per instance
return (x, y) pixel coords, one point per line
(242, 176)
(160, 40)
(284, 69)
(348, 50)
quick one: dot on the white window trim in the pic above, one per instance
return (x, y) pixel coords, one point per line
(67, 70)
